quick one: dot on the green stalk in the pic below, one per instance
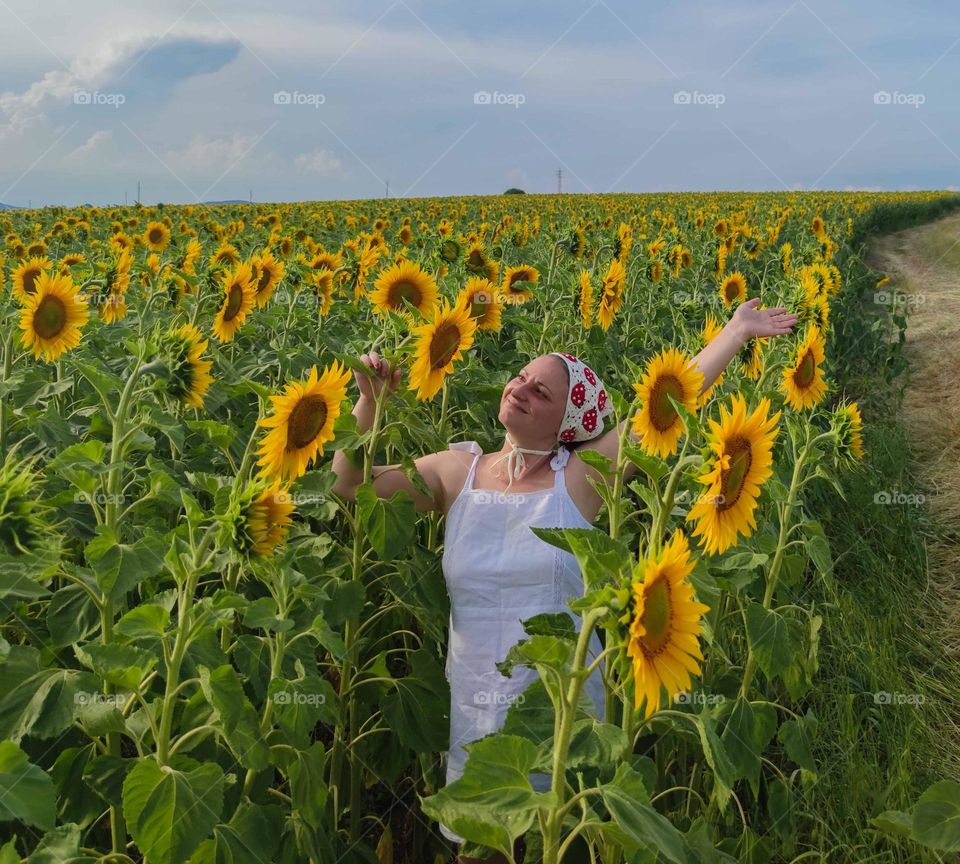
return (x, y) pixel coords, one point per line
(7, 367)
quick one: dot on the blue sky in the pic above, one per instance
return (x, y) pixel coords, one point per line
(208, 100)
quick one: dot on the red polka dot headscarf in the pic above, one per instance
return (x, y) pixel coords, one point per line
(587, 402)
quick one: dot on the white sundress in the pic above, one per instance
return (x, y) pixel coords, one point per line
(498, 573)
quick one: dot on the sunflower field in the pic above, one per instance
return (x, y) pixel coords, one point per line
(206, 655)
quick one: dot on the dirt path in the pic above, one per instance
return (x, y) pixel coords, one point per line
(924, 268)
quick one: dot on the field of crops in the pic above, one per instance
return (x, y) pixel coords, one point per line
(208, 656)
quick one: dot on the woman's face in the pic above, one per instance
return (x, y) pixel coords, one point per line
(534, 400)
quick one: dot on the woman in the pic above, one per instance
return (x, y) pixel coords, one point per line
(498, 572)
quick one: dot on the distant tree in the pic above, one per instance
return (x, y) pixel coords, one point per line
(514, 191)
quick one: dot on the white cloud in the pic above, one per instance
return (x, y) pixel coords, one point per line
(322, 162)
(204, 154)
(94, 145)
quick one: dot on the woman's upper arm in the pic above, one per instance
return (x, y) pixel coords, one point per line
(390, 479)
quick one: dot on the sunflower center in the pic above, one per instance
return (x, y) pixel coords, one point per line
(234, 301)
(517, 280)
(156, 235)
(662, 414)
(733, 291)
(263, 281)
(305, 421)
(656, 617)
(805, 371)
(29, 278)
(732, 480)
(50, 317)
(444, 345)
(402, 290)
(475, 260)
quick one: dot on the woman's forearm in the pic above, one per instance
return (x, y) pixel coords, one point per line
(715, 356)
(348, 476)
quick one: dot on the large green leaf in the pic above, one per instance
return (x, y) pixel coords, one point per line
(601, 558)
(797, 737)
(493, 802)
(235, 716)
(418, 706)
(26, 791)
(250, 837)
(746, 735)
(120, 567)
(170, 810)
(645, 826)
(308, 790)
(71, 615)
(390, 523)
(774, 639)
(936, 818)
(44, 704)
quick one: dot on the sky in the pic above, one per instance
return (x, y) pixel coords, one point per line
(203, 100)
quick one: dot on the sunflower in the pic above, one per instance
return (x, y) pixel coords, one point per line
(450, 250)
(751, 357)
(516, 282)
(733, 289)
(658, 425)
(121, 240)
(24, 518)
(53, 315)
(742, 455)
(73, 259)
(189, 372)
(323, 283)
(25, 276)
(267, 273)
(225, 254)
(586, 299)
(156, 237)
(476, 258)
(302, 422)
(268, 518)
(848, 424)
(406, 281)
(439, 343)
(239, 295)
(664, 644)
(803, 385)
(480, 296)
(612, 297)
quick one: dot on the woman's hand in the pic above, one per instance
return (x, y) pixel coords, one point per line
(751, 322)
(384, 377)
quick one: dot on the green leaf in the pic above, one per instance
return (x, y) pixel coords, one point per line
(601, 558)
(796, 737)
(551, 624)
(936, 818)
(251, 837)
(781, 808)
(262, 614)
(418, 706)
(724, 773)
(170, 810)
(308, 790)
(493, 802)
(595, 744)
(60, 845)
(235, 715)
(746, 735)
(774, 639)
(645, 826)
(656, 469)
(26, 791)
(894, 822)
(17, 585)
(122, 665)
(143, 622)
(71, 615)
(603, 464)
(44, 704)
(120, 567)
(299, 705)
(390, 524)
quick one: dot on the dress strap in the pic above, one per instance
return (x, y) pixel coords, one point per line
(470, 447)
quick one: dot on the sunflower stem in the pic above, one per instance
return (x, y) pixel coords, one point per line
(7, 367)
(786, 511)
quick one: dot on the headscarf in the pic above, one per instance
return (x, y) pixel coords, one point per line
(587, 405)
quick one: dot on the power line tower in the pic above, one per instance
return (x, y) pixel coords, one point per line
(559, 181)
